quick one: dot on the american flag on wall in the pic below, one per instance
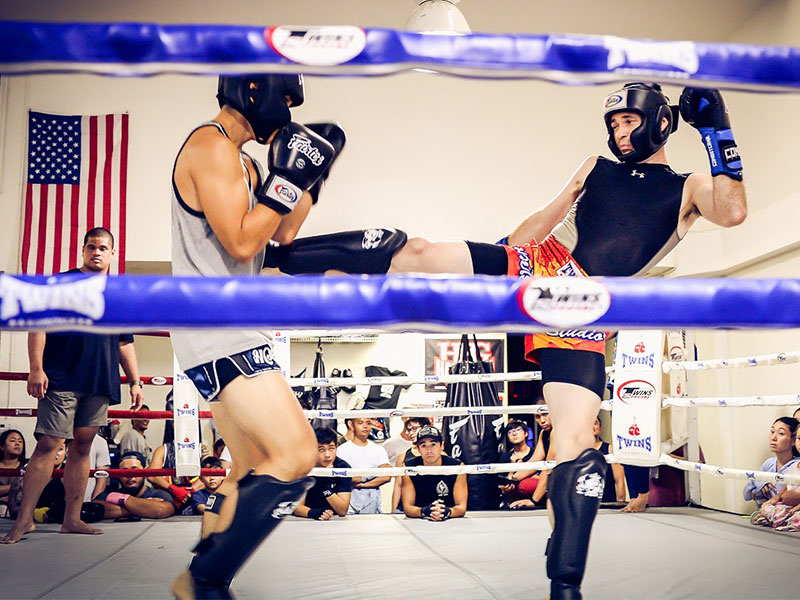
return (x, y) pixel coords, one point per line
(77, 180)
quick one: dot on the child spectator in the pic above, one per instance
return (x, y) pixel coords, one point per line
(210, 484)
(783, 443)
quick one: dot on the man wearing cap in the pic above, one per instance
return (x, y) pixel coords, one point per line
(433, 497)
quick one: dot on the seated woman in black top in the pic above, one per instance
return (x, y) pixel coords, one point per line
(614, 490)
(434, 497)
(412, 426)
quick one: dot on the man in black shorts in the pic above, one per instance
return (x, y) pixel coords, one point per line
(75, 376)
(330, 496)
(612, 218)
(433, 497)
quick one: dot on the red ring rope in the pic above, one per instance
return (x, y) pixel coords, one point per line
(156, 380)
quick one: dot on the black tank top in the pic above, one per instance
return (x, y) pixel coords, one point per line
(430, 488)
(625, 219)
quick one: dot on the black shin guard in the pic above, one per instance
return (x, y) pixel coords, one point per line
(262, 503)
(575, 489)
(364, 251)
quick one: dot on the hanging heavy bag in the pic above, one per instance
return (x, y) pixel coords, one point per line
(474, 439)
(322, 398)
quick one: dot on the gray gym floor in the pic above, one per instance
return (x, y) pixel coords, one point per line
(664, 553)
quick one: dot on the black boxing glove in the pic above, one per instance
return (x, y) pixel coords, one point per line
(705, 110)
(315, 513)
(297, 157)
(335, 135)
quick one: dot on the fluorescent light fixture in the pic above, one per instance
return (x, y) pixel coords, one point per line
(437, 16)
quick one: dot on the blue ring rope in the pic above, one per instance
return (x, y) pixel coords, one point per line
(412, 303)
(148, 48)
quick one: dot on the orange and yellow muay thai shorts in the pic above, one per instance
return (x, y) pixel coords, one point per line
(550, 259)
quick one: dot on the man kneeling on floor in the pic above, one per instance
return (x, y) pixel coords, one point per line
(135, 499)
(330, 496)
(433, 497)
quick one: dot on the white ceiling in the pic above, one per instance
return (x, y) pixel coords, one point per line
(700, 20)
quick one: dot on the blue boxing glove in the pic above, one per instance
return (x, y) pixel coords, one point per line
(705, 110)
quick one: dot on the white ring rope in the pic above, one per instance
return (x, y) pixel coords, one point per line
(781, 358)
(447, 411)
(486, 469)
(735, 401)
(728, 473)
(441, 470)
(427, 379)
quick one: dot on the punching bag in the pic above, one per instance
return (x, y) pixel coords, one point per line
(474, 439)
(322, 398)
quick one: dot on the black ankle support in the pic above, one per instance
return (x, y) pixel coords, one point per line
(575, 489)
(262, 503)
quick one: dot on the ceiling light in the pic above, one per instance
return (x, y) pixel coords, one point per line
(437, 16)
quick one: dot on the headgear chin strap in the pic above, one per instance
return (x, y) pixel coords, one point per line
(261, 99)
(649, 102)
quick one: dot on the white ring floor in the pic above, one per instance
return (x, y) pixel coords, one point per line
(663, 553)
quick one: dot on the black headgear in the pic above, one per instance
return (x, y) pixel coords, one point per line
(261, 99)
(649, 102)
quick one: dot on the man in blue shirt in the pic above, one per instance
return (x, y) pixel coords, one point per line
(75, 376)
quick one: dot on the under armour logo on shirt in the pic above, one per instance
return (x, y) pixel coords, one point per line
(635, 173)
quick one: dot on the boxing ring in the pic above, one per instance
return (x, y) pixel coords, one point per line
(484, 555)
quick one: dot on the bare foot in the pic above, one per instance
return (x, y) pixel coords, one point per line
(80, 527)
(17, 532)
(637, 505)
(182, 587)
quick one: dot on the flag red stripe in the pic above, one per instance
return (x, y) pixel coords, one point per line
(123, 191)
(107, 163)
(58, 229)
(28, 226)
(74, 227)
(42, 236)
(90, 189)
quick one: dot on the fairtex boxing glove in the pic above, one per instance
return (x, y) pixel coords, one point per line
(297, 157)
(335, 135)
(705, 110)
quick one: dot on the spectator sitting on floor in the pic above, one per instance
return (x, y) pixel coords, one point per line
(539, 496)
(179, 488)
(361, 453)
(398, 445)
(52, 504)
(219, 446)
(99, 458)
(134, 440)
(614, 488)
(783, 443)
(518, 485)
(210, 484)
(12, 456)
(434, 497)
(410, 429)
(330, 496)
(782, 511)
(135, 499)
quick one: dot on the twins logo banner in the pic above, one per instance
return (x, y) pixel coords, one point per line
(441, 354)
(77, 176)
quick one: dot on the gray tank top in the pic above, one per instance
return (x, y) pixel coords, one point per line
(196, 251)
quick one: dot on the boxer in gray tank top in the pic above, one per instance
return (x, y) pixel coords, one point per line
(225, 210)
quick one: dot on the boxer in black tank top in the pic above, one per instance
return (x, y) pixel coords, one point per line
(615, 219)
